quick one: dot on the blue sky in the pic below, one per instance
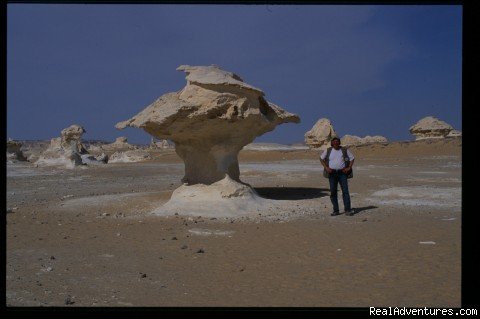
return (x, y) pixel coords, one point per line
(370, 69)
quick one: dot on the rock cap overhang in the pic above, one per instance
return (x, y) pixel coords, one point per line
(214, 75)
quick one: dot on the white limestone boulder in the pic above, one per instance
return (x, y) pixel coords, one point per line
(430, 127)
(320, 135)
(67, 150)
(351, 140)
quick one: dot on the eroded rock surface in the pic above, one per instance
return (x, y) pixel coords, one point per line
(320, 135)
(162, 144)
(120, 144)
(231, 198)
(14, 153)
(352, 140)
(454, 133)
(67, 149)
(430, 127)
(210, 120)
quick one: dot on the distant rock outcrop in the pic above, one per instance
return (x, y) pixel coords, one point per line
(14, 153)
(120, 144)
(431, 127)
(320, 135)
(129, 156)
(352, 140)
(162, 144)
(210, 120)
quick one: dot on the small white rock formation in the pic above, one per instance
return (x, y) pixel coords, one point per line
(320, 135)
(162, 144)
(14, 153)
(120, 144)
(430, 127)
(352, 140)
(67, 149)
(210, 120)
(377, 139)
(129, 156)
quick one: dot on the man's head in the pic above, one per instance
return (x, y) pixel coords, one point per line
(335, 143)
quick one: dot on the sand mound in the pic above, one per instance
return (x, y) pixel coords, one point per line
(225, 198)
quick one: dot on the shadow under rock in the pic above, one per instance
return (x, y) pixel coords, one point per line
(291, 193)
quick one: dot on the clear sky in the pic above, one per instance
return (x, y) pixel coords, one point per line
(370, 69)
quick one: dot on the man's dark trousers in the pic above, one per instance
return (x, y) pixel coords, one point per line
(339, 177)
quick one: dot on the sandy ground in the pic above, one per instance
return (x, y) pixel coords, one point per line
(85, 237)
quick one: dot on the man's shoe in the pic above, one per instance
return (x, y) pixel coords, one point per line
(334, 214)
(349, 212)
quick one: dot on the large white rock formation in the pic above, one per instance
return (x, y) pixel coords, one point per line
(320, 135)
(430, 127)
(210, 120)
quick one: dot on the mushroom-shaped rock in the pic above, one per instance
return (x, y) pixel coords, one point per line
(320, 134)
(210, 120)
(430, 127)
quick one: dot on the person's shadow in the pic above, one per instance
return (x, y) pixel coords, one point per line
(291, 193)
(357, 210)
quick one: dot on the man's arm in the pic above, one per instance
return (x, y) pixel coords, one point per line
(347, 169)
(328, 169)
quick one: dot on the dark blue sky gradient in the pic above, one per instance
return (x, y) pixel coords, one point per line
(372, 70)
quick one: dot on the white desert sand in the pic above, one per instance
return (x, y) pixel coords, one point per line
(89, 236)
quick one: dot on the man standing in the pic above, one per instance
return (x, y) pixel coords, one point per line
(338, 163)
